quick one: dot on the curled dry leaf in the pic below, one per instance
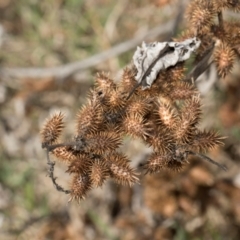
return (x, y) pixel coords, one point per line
(151, 58)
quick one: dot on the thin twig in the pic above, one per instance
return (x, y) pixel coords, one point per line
(202, 65)
(220, 20)
(51, 175)
(223, 167)
(67, 70)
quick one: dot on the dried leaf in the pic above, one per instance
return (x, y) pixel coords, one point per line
(151, 58)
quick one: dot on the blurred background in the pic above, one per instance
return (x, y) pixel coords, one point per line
(50, 51)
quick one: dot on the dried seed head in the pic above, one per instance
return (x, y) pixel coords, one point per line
(128, 80)
(52, 129)
(167, 115)
(205, 140)
(189, 33)
(81, 164)
(220, 5)
(104, 83)
(95, 98)
(152, 92)
(99, 172)
(232, 33)
(227, 4)
(192, 110)
(182, 91)
(201, 14)
(161, 141)
(102, 142)
(115, 100)
(80, 185)
(156, 162)
(139, 106)
(137, 126)
(89, 118)
(175, 73)
(64, 154)
(120, 170)
(190, 116)
(224, 57)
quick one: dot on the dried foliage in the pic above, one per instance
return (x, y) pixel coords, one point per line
(167, 121)
(197, 202)
(224, 57)
(165, 115)
(222, 36)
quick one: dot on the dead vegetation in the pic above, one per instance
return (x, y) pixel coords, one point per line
(114, 136)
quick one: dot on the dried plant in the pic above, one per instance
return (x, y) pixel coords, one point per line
(219, 41)
(158, 104)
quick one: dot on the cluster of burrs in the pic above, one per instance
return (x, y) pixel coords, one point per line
(155, 101)
(164, 116)
(220, 41)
